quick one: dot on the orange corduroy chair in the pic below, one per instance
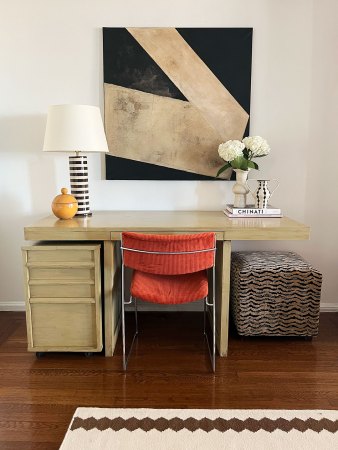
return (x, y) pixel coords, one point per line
(169, 269)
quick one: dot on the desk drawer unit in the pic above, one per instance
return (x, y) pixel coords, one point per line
(63, 297)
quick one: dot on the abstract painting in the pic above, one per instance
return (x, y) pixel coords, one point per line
(172, 95)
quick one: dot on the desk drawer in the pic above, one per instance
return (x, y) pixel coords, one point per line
(64, 325)
(63, 297)
(60, 253)
(60, 289)
(64, 273)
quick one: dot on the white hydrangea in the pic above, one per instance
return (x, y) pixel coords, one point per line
(257, 145)
(230, 150)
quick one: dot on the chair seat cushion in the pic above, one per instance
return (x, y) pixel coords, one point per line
(169, 289)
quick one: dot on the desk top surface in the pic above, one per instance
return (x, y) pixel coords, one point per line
(106, 225)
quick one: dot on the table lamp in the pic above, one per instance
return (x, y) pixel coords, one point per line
(76, 128)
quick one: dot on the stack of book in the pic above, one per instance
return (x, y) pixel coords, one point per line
(251, 211)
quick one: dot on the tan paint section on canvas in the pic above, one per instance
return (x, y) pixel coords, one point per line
(160, 130)
(194, 79)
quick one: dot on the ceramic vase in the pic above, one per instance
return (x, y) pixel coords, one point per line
(240, 188)
(263, 193)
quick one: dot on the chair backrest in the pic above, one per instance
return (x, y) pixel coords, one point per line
(168, 254)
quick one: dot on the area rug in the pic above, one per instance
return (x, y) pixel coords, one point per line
(183, 429)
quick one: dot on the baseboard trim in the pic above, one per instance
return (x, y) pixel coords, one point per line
(12, 306)
(329, 307)
(20, 306)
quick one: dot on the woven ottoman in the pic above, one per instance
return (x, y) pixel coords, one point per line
(274, 293)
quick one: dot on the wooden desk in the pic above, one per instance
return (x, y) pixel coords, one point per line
(107, 226)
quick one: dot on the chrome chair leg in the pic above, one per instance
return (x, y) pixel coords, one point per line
(136, 321)
(127, 355)
(212, 352)
(211, 349)
(214, 335)
(123, 318)
(214, 319)
(123, 303)
(204, 311)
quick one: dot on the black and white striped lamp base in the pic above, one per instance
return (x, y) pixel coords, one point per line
(78, 168)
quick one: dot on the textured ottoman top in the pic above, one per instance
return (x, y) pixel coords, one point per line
(270, 260)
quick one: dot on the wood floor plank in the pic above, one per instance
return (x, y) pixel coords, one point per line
(169, 368)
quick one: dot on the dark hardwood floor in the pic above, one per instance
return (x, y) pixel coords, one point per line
(169, 368)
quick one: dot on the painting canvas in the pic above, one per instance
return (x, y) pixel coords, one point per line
(172, 95)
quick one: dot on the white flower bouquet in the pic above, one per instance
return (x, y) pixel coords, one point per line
(239, 154)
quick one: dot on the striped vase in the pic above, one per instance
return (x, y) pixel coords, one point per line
(78, 169)
(263, 193)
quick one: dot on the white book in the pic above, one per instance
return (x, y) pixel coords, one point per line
(243, 216)
(250, 209)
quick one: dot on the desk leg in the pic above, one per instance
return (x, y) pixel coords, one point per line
(111, 295)
(223, 261)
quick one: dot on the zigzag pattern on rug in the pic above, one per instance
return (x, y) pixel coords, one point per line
(205, 424)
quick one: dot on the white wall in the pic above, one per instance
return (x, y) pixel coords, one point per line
(322, 160)
(51, 52)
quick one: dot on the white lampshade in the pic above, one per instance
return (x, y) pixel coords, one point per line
(76, 128)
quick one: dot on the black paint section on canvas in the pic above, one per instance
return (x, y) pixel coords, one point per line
(127, 169)
(227, 53)
(126, 64)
